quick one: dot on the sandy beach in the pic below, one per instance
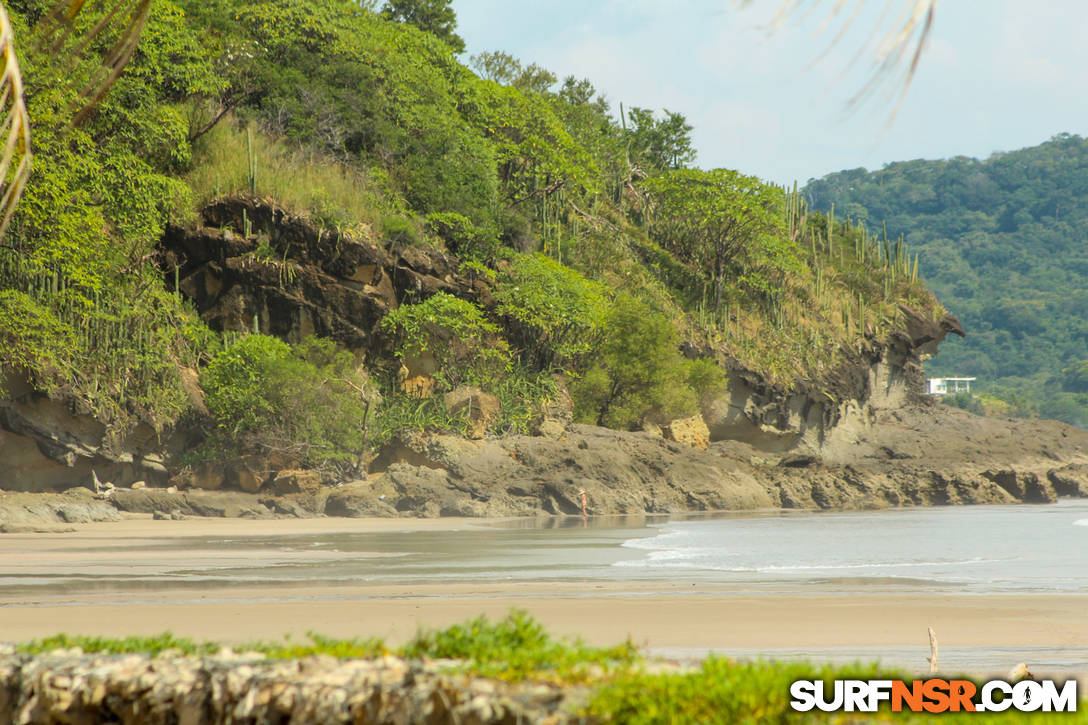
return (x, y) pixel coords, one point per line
(680, 616)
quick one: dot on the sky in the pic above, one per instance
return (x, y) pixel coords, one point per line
(997, 75)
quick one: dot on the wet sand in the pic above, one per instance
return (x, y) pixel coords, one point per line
(682, 616)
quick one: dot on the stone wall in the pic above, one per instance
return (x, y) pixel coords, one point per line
(72, 688)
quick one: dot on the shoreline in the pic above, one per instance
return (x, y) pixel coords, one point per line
(600, 614)
(826, 620)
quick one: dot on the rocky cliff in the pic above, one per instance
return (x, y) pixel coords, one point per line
(865, 436)
(810, 417)
(250, 266)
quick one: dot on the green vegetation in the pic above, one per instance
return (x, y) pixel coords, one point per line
(553, 313)
(154, 645)
(719, 691)
(639, 372)
(1003, 244)
(518, 647)
(594, 253)
(621, 688)
(310, 402)
(715, 218)
(450, 339)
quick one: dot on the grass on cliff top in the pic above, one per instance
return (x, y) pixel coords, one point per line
(333, 194)
(623, 688)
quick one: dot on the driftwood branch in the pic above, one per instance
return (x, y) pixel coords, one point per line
(932, 650)
(595, 220)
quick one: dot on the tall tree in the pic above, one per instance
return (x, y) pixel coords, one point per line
(711, 218)
(662, 143)
(434, 16)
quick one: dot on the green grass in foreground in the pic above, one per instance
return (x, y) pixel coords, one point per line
(517, 648)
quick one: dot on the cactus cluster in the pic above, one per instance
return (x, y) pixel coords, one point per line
(878, 268)
(129, 343)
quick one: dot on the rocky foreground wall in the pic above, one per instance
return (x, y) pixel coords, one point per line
(75, 689)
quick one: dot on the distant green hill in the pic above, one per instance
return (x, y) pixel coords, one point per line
(1003, 245)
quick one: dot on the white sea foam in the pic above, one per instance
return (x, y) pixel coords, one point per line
(984, 548)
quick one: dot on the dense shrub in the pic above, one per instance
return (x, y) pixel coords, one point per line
(719, 691)
(552, 313)
(450, 339)
(452, 336)
(309, 401)
(639, 371)
(463, 238)
(517, 647)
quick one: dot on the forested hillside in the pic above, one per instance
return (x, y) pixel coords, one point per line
(1003, 243)
(595, 254)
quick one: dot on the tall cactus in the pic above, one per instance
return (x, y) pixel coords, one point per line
(252, 161)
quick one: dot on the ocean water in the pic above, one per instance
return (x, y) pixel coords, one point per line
(956, 549)
(965, 549)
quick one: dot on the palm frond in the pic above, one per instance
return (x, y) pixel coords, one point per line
(69, 39)
(895, 42)
(14, 126)
(67, 33)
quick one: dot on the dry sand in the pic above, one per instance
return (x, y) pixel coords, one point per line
(659, 615)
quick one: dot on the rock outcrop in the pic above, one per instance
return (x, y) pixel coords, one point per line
(881, 376)
(917, 456)
(22, 513)
(250, 266)
(922, 455)
(478, 408)
(691, 431)
(49, 444)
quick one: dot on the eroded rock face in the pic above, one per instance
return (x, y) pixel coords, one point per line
(830, 412)
(690, 431)
(31, 513)
(1070, 481)
(308, 282)
(50, 445)
(295, 481)
(251, 266)
(479, 408)
(912, 457)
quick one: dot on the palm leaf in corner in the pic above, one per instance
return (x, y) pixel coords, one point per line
(70, 32)
(895, 42)
(14, 126)
(69, 39)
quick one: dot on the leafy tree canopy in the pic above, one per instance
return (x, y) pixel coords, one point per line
(433, 16)
(714, 218)
(663, 143)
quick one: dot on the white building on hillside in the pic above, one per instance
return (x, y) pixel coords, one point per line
(948, 386)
